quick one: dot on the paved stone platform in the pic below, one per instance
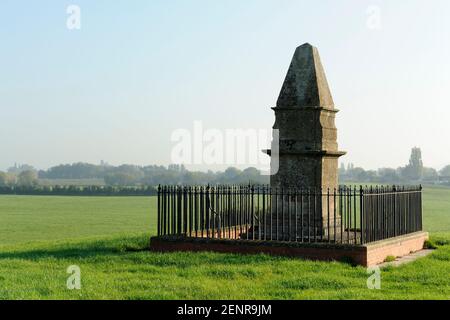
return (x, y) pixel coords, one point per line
(407, 259)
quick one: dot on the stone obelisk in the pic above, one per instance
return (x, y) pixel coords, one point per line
(307, 154)
(305, 117)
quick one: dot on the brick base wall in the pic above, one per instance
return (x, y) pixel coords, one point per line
(377, 252)
(366, 255)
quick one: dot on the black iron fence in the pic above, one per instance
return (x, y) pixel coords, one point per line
(346, 215)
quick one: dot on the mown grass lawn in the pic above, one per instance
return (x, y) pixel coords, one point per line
(121, 268)
(42, 218)
(108, 239)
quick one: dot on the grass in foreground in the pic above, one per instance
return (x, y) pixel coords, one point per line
(122, 268)
(36, 249)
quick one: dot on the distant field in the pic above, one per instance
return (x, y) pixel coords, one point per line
(436, 209)
(108, 238)
(37, 218)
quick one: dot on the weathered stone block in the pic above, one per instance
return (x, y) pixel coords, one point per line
(305, 117)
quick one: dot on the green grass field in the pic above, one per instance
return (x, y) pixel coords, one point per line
(35, 218)
(107, 238)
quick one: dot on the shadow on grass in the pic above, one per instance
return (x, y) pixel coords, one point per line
(125, 246)
(86, 249)
(136, 249)
(62, 253)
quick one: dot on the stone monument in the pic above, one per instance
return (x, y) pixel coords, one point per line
(308, 151)
(305, 117)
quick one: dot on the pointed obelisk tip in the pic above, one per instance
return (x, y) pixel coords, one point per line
(306, 44)
(305, 84)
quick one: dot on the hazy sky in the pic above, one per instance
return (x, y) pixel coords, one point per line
(138, 70)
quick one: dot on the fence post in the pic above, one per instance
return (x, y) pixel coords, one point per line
(230, 211)
(420, 209)
(207, 211)
(190, 210)
(237, 211)
(269, 214)
(277, 220)
(264, 212)
(361, 213)
(355, 224)
(252, 212)
(349, 212)
(288, 234)
(179, 210)
(159, 212)
(328, 215)
(296, 215)
(258, 212)
(213, 212)
(202, 209)
(196, 224)
(394, 190)
(173, 212)
(185, 215)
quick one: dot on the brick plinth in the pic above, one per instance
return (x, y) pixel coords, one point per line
(365, 255)
(396, 247)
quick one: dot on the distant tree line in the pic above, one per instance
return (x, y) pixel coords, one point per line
(413, 172)
(129, 175)
(78, 191)
(141, 180)
(16, 177)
